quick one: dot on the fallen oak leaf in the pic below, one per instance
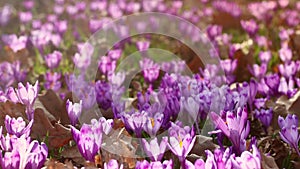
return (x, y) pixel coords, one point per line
(57, 134)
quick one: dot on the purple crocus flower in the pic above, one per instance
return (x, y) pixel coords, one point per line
(150, 69)
(229, 67)
(286, 87)
(154, 150)
(83, 59)
(250, 26)
(264, 116)
(153, 122)
(135, 121)
(17, 126)
(52, 81)
(289, 132)
(167, 164)
(113, 164)
(74, 111)
(142, 45)
(88, 139)
(115, 54)
(53, 59)
(213, 31)
(236, 127)
(114, 10)
(27, 96)
(182, 140)
(247, 159)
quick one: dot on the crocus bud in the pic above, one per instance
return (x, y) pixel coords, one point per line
(74, 111)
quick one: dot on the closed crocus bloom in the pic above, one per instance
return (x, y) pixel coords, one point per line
(236, 127)
(272, 81)
(288, 69)
(218, 159)
(27, 96)
(289, 132)
(11, 95)
(285, 54)
(265, 56)
(247, 159)
(113, 164)
(88, 140)
(25, 17)
(53, 59)
(264, 116)
(154, 150)
(17, 126)
(106, 124)
(74, 111)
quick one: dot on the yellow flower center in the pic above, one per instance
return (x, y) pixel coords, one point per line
(152, 122)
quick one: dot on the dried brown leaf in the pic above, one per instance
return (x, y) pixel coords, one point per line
(11, 109)
(57, 134)
(268, 162)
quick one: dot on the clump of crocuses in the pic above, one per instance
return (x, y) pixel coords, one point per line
(17, 148)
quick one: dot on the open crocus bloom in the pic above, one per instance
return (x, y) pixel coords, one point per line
(182, 140)
(236, 127)
(154, 150)
(17, 126)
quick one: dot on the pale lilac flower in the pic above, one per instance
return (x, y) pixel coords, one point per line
(247, 159)
(288, 69)
(88, 139)
(52, 81)
(74, 111)
(142, 45)
(11, 95)
(98, 5)
(150, 69)
(17, 126)
(113, 164)
(258, 71)
(6, 75)
(289, 132)
(236, 127)
(285, 54)
(265, 56)
(287, 87)
(106, 124)
(5, 14)
(25, 16)
(15, 43)
(115, 54)
(114, 11)
(53, 59)
(154, 150)
(83, 59)
(283, 3)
